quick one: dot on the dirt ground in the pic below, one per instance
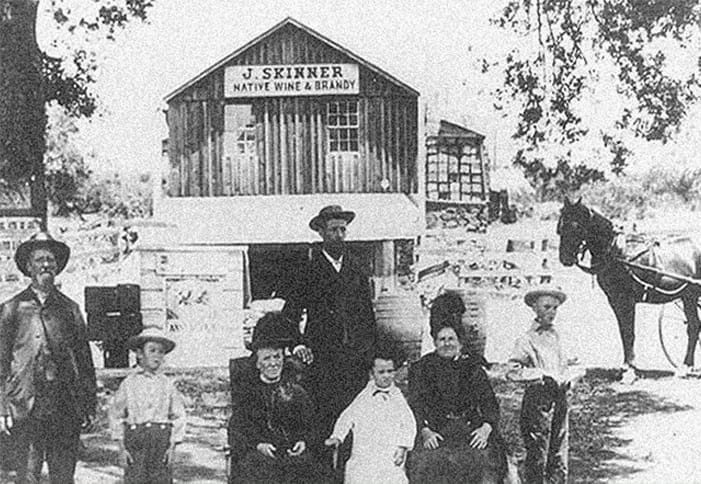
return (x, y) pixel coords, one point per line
(640, 433)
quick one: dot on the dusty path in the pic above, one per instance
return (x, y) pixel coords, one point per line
(658, 437)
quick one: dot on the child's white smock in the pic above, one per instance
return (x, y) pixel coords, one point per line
(381, 421)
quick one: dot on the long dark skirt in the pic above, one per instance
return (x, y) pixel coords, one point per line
(257, 468)
(455, 461)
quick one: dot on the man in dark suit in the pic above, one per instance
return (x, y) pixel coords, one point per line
(47, 379)
(340, 330)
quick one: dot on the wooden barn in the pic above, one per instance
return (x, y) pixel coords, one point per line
(455, 164)
(258, 143)
(457, 176)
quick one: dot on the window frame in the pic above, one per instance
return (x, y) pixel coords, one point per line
(342, 125)
(454, 171)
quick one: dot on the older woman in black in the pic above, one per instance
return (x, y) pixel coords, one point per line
(456, 410)
(271, 429)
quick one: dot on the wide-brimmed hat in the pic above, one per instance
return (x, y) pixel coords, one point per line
(272, 330)
(532, 296)
(328, 213)
(42, 240)
(151, 333)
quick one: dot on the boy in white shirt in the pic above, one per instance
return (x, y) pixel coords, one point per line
(539, 361)
(147, 415)
(382, 423)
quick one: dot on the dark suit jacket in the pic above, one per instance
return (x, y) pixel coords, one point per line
(340, 316)
(65, 333)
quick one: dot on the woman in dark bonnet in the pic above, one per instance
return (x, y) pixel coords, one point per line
(455, 407)
(271, 427)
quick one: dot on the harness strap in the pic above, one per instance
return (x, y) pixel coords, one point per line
(647, 286)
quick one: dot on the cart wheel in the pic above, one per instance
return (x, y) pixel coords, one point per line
(672, 331)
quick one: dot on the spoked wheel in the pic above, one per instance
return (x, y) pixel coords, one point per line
(672, 331)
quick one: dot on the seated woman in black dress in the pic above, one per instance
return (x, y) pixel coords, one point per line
(271, 425)
(455, 408)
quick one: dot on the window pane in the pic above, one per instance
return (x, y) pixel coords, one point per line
(333, 108)
(352, 106)
(353, 120)
(333, 145)
(333, 134)
(333, 120)
(344, 146)
(342, 107)
(354, 145)
(343, 133)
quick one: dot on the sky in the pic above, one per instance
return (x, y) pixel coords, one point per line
(434, 46)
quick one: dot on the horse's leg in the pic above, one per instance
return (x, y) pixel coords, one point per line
(624, 309)
(692, 328)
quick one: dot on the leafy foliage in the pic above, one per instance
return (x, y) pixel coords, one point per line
(65, 165)
(68, 79)
(118, 196)
(580, 46)
(30, 78)
(637, 196)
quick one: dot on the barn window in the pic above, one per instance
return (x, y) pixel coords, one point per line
(453, 172)
(342, 123)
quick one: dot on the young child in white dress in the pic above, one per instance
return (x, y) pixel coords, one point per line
(382, 423)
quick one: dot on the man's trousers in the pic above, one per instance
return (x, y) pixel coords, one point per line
(544, 428)
(54, 440)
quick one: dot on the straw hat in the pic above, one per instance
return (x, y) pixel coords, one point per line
(532, 296)
(151, 333)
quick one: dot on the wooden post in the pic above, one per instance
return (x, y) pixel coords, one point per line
(385, 271)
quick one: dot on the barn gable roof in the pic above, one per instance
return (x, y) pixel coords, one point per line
(448, 129)
(290, 21)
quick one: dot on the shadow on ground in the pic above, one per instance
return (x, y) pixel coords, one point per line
(598, 407)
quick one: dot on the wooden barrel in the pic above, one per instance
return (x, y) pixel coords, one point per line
(400, 317)
(474, 320)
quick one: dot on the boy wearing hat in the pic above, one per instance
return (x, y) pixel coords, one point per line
(147, 415)
(538, 360)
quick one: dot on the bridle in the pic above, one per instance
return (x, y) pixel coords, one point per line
(607, 254)
(585, 246)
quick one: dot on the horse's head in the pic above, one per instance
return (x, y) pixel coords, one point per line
(572, 228)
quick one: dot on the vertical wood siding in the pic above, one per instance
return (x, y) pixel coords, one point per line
(291, 146)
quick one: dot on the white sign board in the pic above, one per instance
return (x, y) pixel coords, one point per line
(291, 80)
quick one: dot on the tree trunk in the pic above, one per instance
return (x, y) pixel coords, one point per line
(22, 109)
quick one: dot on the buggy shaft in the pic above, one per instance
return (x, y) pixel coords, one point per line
(690, 280)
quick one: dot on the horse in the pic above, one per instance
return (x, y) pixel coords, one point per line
(657, 272)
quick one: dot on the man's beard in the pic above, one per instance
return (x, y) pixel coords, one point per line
(45, 279)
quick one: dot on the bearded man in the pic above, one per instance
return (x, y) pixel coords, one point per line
(47, 378)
